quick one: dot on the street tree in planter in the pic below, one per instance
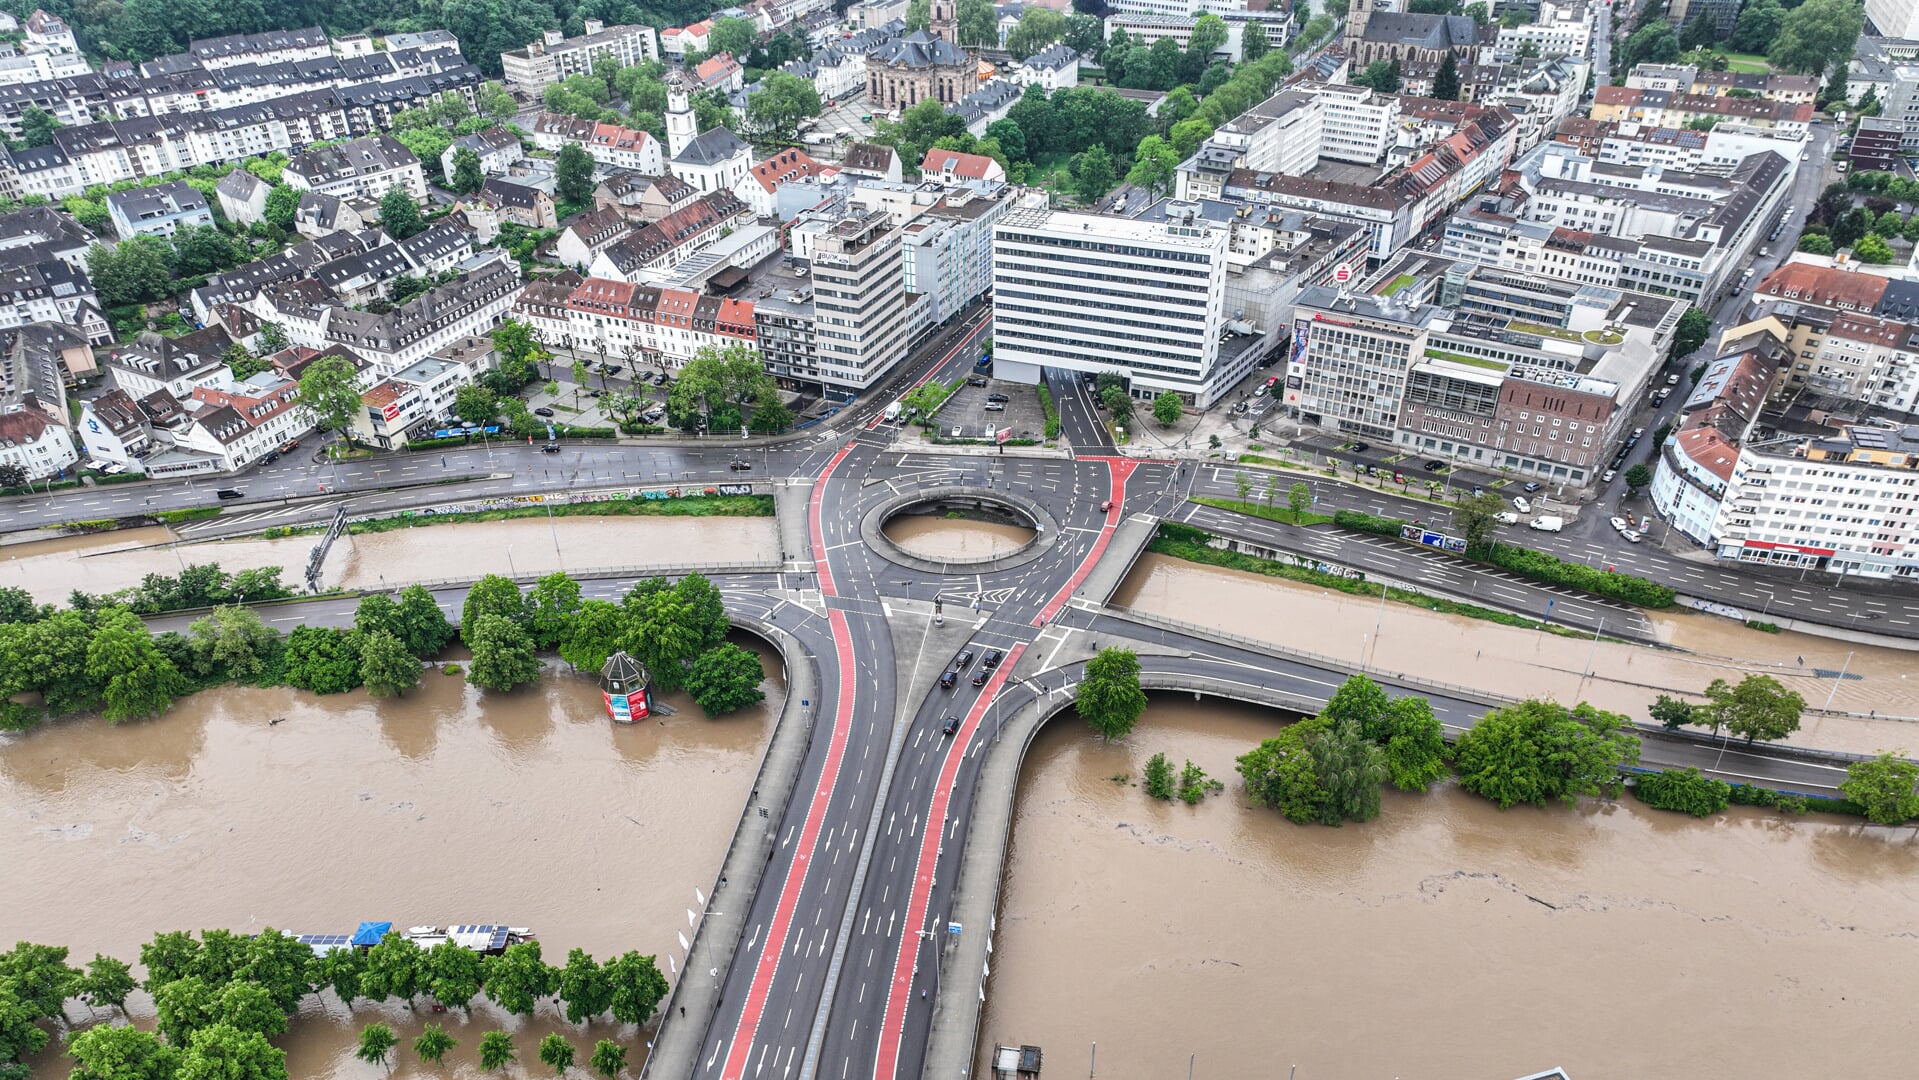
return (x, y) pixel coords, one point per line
(1109, 697)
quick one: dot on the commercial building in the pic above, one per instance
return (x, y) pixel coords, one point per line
(400, 404)
(859, 294)
(1141, 299)
(556, 57)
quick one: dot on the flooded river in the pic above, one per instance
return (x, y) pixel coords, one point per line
(933, 537)
(50, 569)
(450, 805)
(1447, 939)
(1520, 662)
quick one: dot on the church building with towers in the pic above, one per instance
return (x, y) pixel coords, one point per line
(1375, 31)
(924, 64)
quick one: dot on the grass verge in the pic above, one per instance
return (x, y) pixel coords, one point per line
(1260, 510)
(698, 506)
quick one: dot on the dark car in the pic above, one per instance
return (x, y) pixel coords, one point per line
(947, 680)
(739, 465)
(964, 660)
(659, 378)
(952, 725)
(979, 677)
(1360, 447)
(1433, 466)
(991, 659)
(614, 369)
(272, 456)
(976, 380)
(1001, 398)
(1531, 486)
(542, 411)
(230, 493)
(550, 448)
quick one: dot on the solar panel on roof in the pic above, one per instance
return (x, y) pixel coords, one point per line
(324, 939)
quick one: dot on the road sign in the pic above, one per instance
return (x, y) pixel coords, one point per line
(953, 928)
(1002, 435)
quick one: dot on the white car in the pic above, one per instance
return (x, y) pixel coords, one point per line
(1620, 524)
(1520, 504)
(1506, 518)
(1606, 477)
(956, 432)
(1638, 431)
(1631, 536)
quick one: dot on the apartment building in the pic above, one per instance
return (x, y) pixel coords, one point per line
(948, 251)
(470, 305)
(1842, 504)
(235, 423)
(669, 239)
(556, 57)
(1696, 462)
(651, 325)
(1141, 299)
(34, 442)
(46, 49)
(1559, 29)
(363, 168)
(496, 147)
(399, 404)
(157, 210)
(1666, 109)
(611, 145)
(859, 294)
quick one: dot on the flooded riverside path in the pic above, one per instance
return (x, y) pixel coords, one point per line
(1446, 940)
(449, 805)
(933, 537)
(1529, 663)
(107, 562)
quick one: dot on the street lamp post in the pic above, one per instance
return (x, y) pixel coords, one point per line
(509, 563)
(1836, 682)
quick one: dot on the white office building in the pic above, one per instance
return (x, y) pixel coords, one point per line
(1144, 299)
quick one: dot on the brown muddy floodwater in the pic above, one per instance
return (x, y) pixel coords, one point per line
(450, 805)
(1529, 663)
(932, 537)
(50, 569)
(1446, 939)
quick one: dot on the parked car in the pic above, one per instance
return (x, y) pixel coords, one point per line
(1618, 523)
(1531, 486)
(550, 448)
(1606, 477)
(542, 411)
(1506, 517)
(1673, 379)
(1001, 398)
(994, 406)
(1632, 536)
(976, 380)
(614, 369)
(1638, 431)
(1433, 466)
(1360, 447)
(1520, 504)
(659, 378)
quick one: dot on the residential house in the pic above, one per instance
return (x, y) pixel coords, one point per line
(520, 204)
(871, 161)
(496, 147)
(786, 167)
(472, 303)
(720, 72)
(152, 362)
(666, 241)
(238, 423)
(643, 198)
(243, 197)
(42, 448)
(438, 248)
(159, 210)
(320, 215)
(367, 167)
(951, 166)
(542, 305)
(1055, 67)
(114, 429)
(590, 234)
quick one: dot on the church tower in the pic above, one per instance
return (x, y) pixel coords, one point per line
(944, 23)
(1358, 14)
(680, 126)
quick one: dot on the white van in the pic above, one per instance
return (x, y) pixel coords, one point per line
(892, 415)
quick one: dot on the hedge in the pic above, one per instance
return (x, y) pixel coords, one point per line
(1683, 790)
(119, 478)
(1052, 411)
(569, 431)
(634, 427)
(1543, 567)
(1364, 522)
(437, 444)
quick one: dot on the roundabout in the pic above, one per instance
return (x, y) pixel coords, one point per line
(965, 502)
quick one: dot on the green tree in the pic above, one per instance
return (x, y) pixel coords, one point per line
(975, 24)
(248, 1006)
(242, 364)
(170, 956)
(322, 659)
(224, 1052)
(770, 414)
(1759, 707)
(396, 967)
(496, 102)
(422, 625)
(582, 985)
(496, 1050)
(1038, 27)
(107, 982)
(1446, 79)
(710, 110)
(1691, 332)
(184, 1006)
(233, 640)
(635, 986)
(109, 1052)
(452, 974)
(136, 680)
(1186, 136)
(340, 969)
(783, 100)
(1477, 516)
(705, 608)
(1759, 23)
(1109, 697)
(271, 339)
(399, 214)
(1253, 43)
(919, 15)
(1885, 787)
(1889, 224)
(1279, 773)
(433, 1043)
(1684, 790)
(376, 612)
(609, 1057)
(1119, 403)
(37, 126)
(282, 206)
(593, 634)
(1093, 172)
(1653, 43)
(494, 594)
(330, 393)
(557, 1052)
(1381, 75)
(1872, 248)
(725, 679)
(279, 964)
(133, 272)
(386, 667)
(1158, 777)
(518, 977)
(1673, 713)
(1638, 478)
(1816, 35)
(1167, 408)
(503, 655)
(39, 977)
(573, 174)
(467, 178)
(1534, 751)
(376, 1040)
(551, 605)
